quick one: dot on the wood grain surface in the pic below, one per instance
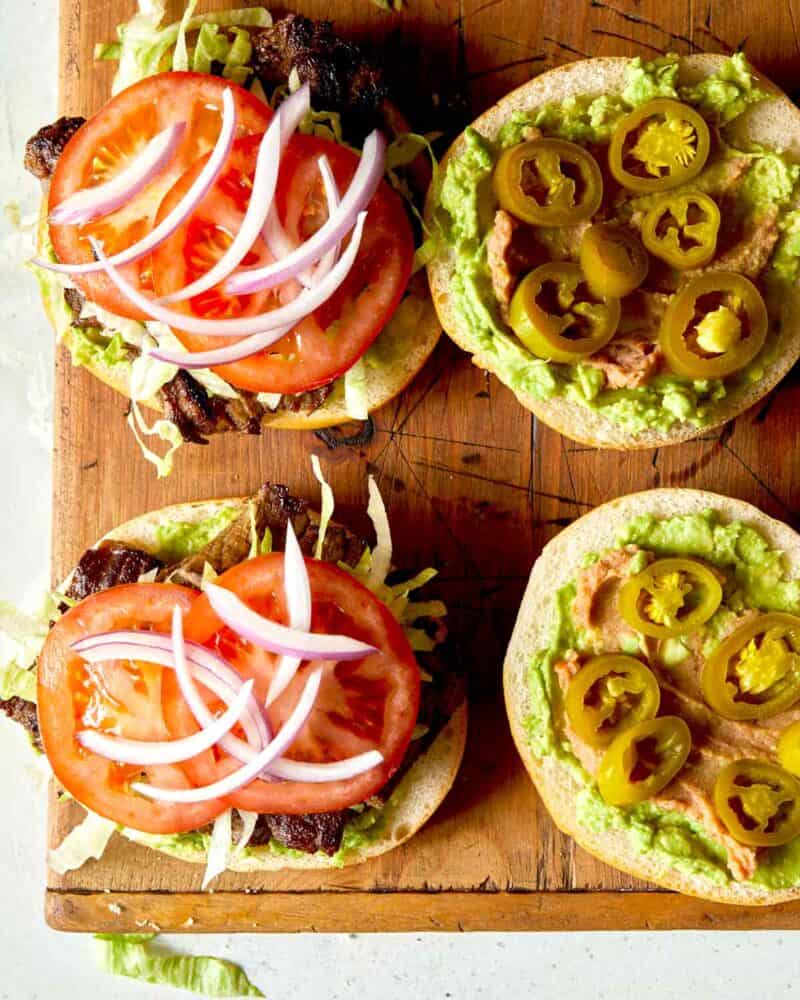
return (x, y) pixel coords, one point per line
(473, 486)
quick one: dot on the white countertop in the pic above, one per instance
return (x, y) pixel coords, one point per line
(39, 963)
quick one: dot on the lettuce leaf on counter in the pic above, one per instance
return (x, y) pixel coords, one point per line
(133, 955)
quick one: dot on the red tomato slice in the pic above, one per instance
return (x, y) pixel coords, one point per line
(362, 705)
(109, 141)
(329, 342)
(122, 697)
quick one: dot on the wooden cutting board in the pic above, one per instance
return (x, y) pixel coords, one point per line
(474, 487)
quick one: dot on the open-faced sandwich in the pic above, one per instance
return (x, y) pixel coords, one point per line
(231, 238)
(246, 684)
(653, 688)
(617, 242)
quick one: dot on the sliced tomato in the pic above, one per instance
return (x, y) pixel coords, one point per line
(329, 342)
(112, 138)
(362, 705)
(121, 697)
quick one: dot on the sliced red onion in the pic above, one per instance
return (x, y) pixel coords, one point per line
(358, 195)
(335, 770)
(237, 779)
(332, 196)
(203, 715)
(275, 320)
(93, 202)
(261, 197)
(297, 588)
(289, 769)
(258, 341)
(205, 179)
(145, 752)
(210, 670)
(279, 243)
(282, 639)
(245, 348)
(294, 108)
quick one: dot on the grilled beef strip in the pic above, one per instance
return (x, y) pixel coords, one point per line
(43, 149)
(310, 833)
(24, 713)
(341, 77)
(112, 563)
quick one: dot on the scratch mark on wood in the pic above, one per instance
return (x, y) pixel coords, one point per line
(569, 474)
(794, 25)
(512, 41)
(627, 38)
(566, 48)
(638, 19)
(436, 467)
(793, 514)
(512, 64)
(473, 13)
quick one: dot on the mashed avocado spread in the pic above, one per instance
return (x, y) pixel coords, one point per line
(757, 580)
(464, 212)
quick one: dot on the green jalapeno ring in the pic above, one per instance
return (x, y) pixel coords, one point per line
(688, 596)
(642, 760)
(758, 802)
(567, 195)
(544, 332)
(701, 234)
(624, 690)
(770, 687)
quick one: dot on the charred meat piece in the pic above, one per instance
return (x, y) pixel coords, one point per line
(306, 402)
(196, 414)
(340, 545)
(43, 149)
(309, 832)
(106, 566)
(187, 405)
(230, 547)
(340, 76)
(23, 712)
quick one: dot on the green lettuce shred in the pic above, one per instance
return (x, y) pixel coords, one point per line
(356, 391)
(134, 956)
(146, 48)
(85, 841)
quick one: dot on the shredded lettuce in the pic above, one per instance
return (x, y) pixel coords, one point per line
(149, 374)
(17, 681)
(132, 955)
(180, 57)
(219, 848)
(28, 631)
(356, 391)
(163, 429)
(249, 820)
(381, 555)
(326, 505)
(24, 635)
(145, 48)
(88, 839)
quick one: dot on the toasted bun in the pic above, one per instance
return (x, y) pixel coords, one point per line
(411, 804)
(383, 383)
(557, 565)
(774, 123)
